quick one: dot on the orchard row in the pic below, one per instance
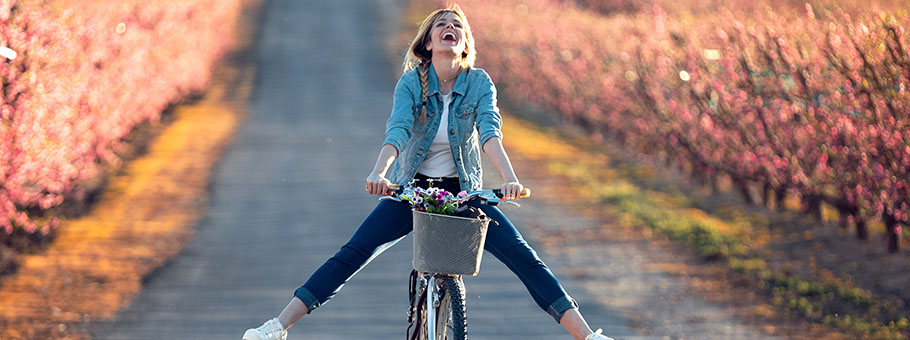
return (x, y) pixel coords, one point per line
(78, 79)
(808, 103)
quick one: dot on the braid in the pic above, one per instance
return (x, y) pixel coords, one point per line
(423, 69)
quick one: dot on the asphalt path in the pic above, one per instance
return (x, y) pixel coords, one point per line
(289, 192)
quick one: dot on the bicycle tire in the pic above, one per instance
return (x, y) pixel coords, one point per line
(452, 311)
(451, 314)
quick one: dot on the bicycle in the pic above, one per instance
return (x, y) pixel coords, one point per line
(437, 297)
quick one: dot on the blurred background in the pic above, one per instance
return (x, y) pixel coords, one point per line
(767, 141)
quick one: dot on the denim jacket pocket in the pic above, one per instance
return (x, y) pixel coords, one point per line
(466, 111)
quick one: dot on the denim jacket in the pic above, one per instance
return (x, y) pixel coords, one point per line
(473, 119)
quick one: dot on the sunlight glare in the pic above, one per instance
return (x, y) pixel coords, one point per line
(712, 54)
(684, 75)
(7, 53)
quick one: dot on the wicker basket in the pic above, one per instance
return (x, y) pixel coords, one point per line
(448, 244)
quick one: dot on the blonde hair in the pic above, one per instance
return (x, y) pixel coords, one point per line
(418, 56)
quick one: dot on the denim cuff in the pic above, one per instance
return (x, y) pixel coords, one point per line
(490, 134)
(307, 298)
(560, 306)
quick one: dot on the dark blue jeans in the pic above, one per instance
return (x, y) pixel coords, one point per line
(390, 221)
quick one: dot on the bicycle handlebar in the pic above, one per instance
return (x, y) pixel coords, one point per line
(395, 189)
(489, 197)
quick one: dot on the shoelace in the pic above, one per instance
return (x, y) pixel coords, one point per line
(274, 328)
(591, 336)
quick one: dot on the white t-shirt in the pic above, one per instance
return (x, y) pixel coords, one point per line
(439, 161)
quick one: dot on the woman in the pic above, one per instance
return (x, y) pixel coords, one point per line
(444, 110)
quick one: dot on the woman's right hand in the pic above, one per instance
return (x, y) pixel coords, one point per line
(377, 184)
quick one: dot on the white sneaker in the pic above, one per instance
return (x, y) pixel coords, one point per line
(597, 336)
(270, 330)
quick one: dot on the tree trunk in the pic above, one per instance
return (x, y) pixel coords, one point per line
(894, 234)
(766, 195)
(779, 199)
(862, 231)
(743, 187)
(815, 207)
(700, 176)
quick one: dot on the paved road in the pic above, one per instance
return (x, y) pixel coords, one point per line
(289, 192)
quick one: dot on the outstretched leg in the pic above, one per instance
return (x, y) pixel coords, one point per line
(292, 312)
(575, 324)
(386, 225)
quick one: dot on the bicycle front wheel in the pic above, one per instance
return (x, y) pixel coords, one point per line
(451, 318)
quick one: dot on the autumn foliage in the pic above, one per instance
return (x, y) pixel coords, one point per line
(83, 77)
(792, 99)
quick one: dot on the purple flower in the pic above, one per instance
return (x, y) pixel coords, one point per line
(463, 194)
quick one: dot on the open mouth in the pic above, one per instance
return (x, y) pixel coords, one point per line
(449, 37)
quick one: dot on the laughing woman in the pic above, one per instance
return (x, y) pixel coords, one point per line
(444, 114)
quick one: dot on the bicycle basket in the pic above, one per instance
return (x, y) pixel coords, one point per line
(448, 244)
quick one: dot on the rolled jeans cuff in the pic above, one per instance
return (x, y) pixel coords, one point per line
(307, 298)
(560, 306)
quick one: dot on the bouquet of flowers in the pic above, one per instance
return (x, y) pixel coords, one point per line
(433, 200)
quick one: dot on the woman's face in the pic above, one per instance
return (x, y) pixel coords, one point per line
(447, 35)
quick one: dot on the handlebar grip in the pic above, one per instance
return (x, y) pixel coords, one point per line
(395, 189)
(525, 193)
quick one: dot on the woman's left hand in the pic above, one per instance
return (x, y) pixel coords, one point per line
(511, 191)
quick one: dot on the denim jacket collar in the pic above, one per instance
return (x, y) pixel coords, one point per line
(460, 82)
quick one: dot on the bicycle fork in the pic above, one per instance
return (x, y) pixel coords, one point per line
(432, 303)
(423, 293)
